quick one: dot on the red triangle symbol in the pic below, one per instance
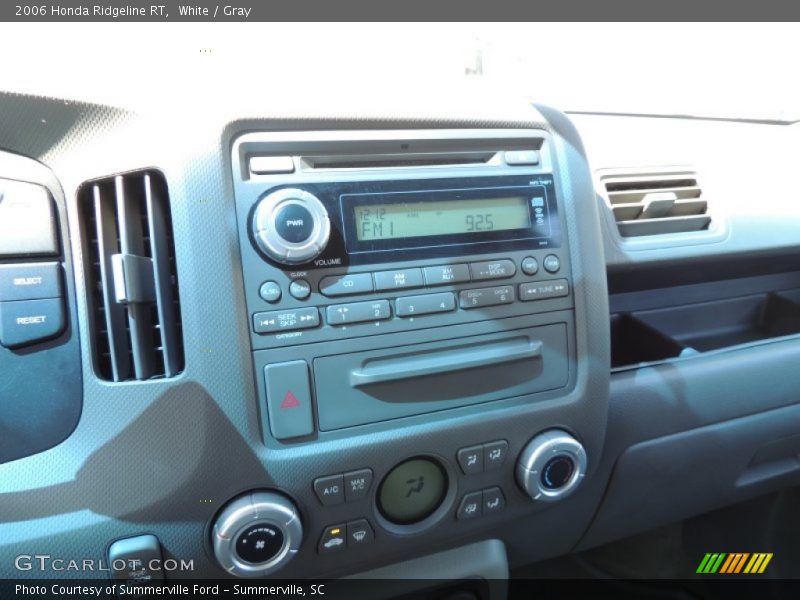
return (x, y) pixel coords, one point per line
(290, 401)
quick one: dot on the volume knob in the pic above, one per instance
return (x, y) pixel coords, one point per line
(291, 226)
(256, 534)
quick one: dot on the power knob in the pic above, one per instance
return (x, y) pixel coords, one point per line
(551, 466)
(256, 534)
(291, 226)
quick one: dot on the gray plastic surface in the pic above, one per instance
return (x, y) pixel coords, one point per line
(41, 383)
(201, 429)
(378, 385)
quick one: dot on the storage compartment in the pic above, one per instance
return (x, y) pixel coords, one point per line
(634, 342)
(652, 335)
(689, 473)
(378, 385)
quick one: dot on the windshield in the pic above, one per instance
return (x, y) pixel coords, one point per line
(739, 71)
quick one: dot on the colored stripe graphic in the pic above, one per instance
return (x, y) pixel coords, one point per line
(734, 563)
(711, 563)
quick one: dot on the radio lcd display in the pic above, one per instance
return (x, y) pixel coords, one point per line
(436, 218)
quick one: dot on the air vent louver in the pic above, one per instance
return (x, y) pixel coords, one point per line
(655, 202)
(131, 274)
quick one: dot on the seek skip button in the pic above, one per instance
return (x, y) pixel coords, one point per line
(285, 320)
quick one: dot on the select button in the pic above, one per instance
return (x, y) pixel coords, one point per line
(31, 281)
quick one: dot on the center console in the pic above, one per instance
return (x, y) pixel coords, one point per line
(425, 283)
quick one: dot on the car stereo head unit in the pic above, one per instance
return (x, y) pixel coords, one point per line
(365, 222)
(353, 234)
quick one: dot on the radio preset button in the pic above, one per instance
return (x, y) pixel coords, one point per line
(285, 320)
(342, 285)
(358, 312)
(300, 289)
(551, 263)
(486, 297)
(542, 290)
(270, 292)
(530, 266)
(492, 269)
(427, 304)
(398, 280)
(446, 274)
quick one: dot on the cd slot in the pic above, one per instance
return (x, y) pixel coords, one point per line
(399, 161)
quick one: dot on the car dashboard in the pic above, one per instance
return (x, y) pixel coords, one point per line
(250, 343)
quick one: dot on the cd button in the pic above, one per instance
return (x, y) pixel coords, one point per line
(342, 285)
(492, 269)
(398, 280)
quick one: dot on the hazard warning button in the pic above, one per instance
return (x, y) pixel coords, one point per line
(288, 400)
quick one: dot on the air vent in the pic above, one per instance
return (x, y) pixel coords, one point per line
(656, 202)
(131, 274)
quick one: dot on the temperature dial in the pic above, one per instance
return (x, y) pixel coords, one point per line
(551, 466)
(291, 226)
